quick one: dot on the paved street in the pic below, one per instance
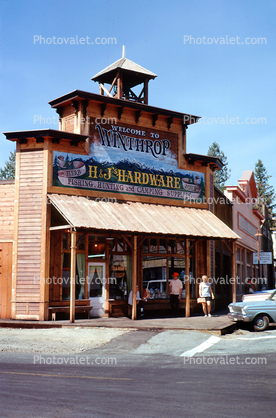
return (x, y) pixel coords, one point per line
(142, 373)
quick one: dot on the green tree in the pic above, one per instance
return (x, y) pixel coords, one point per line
(8, 172)
(265, 191)
(220, 176)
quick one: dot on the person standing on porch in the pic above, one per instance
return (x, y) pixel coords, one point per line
(205, 291)
(175, 293)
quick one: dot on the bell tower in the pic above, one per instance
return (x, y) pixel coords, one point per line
(122, 76)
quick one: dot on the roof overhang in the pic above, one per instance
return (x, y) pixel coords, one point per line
(41, 134)
(140, 218)
(84, 95)
(214, 162)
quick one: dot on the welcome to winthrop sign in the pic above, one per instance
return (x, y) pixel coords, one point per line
(127, 159)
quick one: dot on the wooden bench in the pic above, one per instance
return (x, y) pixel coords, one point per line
(53, 310)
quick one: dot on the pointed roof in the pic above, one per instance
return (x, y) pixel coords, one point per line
(124, 64)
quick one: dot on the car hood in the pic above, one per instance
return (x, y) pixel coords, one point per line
(252, 303)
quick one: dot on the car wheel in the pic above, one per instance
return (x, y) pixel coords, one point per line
(261, 323)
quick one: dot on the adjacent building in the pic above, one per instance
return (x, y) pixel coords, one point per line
(252, 227)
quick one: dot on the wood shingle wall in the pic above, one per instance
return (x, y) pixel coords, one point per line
(29, 235)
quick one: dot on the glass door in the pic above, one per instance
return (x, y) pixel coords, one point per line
(96, 288)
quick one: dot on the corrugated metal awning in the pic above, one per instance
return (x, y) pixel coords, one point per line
(138, 218)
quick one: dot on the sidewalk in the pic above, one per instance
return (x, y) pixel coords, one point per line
(218, 324)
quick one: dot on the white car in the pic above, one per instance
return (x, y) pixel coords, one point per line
(262, 295)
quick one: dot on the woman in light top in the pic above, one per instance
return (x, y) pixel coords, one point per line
(205, 291)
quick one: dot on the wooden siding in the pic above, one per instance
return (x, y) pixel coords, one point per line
(5, 279)
(6, 210)
(29, 233)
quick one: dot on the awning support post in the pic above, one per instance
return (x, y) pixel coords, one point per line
(134, 278)
(73, 275)
(187, 280)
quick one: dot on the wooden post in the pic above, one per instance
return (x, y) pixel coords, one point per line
(134, 278)
(187, 280)
(73, 275)
(120, 86)
(146, 91)
(15, 243)
(208, 256)
(107, 276)
(234, 285)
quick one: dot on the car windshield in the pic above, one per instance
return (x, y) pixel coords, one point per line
(272, 295)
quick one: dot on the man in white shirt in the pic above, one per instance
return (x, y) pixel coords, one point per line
(175, 293)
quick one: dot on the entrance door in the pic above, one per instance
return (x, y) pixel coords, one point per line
(96, 288)
(5, 279)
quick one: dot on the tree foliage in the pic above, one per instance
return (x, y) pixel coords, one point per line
(8, 172)
(265, 191)
(220, 176)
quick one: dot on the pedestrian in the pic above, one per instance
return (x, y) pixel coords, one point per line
(205, 291)
(175, 287)
(139, 302)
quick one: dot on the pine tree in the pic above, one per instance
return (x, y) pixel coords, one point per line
(8, 172)
(266, 192)
(220, 176)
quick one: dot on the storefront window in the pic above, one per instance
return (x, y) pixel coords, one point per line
(153, 245)
(81, 242)
(65, 245)
(155, 276)
(66, 276)
(146, 246)
(180, 247)
(163, 246)
(120, 276)
(171, 246)
(96, 247)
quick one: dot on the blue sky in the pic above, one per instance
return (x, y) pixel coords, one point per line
(214, 59)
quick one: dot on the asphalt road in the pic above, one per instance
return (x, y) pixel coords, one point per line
(146, 374)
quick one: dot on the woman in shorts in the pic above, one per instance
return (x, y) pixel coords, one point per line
(205, 291)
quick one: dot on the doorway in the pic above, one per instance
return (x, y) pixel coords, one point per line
(96, 288)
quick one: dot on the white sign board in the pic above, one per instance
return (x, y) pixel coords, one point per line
(265, 258)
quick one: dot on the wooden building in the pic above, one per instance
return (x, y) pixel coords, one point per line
(247, 222)
(110, 200)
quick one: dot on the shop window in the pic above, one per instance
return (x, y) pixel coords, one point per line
(238, 254)
(146, 246)
(96, 246)
(81, 242)
(65, 242)
(180, 247)
(172, 246)
(120, 245)
(120, 276)
(155, 276)
(163, 246)
(66, 276)
(153, 246)
(191, 247)
(80, 276)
